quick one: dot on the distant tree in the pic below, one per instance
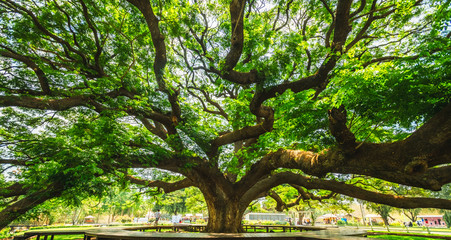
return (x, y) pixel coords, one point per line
(195, 202)
(172, 203)
(383, 210)
(411, 214)
(447, 218)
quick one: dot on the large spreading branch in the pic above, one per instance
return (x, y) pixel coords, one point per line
(59, 104)
(245, 133)
(44, 104)
(345, 189)
(410, 161)
(16, 189)
(18, 208)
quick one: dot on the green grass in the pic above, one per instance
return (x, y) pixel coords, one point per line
(394, 237)
(413, 233)
(395, 228)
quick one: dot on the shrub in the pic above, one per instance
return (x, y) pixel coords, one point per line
(267, 223)
(341, 223)
(397, 224)
(281, 222)
(200, 221)
(447, 218)
(124, 219)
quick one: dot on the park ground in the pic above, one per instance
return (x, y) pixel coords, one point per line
(433, 232)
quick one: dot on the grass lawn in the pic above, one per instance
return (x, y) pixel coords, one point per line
(394, 237)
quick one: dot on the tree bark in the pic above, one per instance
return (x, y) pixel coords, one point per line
(225, 204)
(224, 215)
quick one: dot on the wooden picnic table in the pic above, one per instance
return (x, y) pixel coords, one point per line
(285, 227)
(138, 232)
(106, 234)
(175, 227)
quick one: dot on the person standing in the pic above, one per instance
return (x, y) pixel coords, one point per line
(157, 216)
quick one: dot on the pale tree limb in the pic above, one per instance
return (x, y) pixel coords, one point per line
(166, 186)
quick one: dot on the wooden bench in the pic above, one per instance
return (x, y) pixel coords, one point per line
(134, 233)
(49, 233)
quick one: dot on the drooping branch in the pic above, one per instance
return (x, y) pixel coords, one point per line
(303, 195)
(16, 189)
(280, 204)
(13, 211)
(156, 129)
(61, 104)
(58, 104)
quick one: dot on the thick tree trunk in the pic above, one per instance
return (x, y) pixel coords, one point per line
(224, 215)
(301, 218)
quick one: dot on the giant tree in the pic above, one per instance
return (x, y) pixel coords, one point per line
(234, 96)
